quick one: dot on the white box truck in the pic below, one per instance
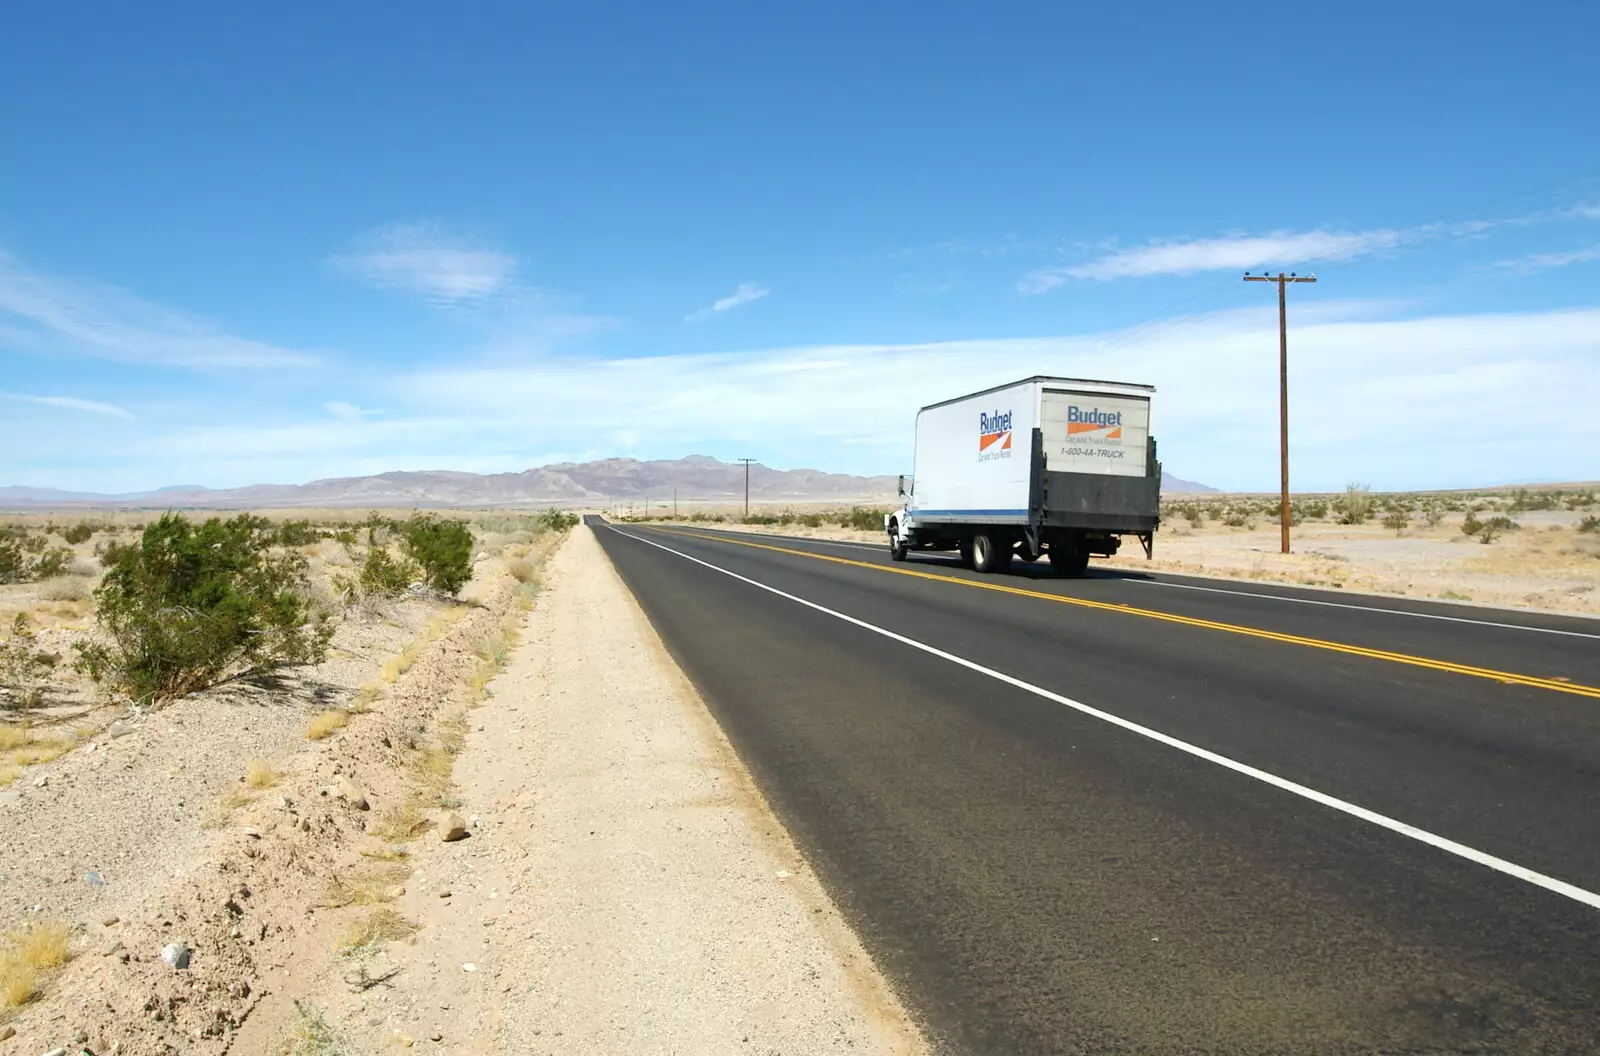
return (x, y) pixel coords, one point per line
(1046, 466)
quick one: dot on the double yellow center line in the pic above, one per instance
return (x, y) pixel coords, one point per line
(1506, 677)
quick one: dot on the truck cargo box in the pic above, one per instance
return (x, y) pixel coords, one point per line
(1061, 462)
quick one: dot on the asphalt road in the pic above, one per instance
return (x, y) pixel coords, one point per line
(1133, 814)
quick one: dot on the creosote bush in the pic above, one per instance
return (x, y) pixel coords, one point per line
(1356, 505)
(441, 547)
(189, 606)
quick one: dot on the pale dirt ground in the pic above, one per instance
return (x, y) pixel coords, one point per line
(623, 889)
(186, 852)
(1547, 565)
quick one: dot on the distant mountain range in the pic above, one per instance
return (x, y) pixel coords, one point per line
(697, 478)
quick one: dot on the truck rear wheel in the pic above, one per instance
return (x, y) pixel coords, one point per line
(1070, 561)
(966, 553)
(990, 554)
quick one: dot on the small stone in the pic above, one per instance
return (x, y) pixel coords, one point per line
(90, 749)
(397, 891)
(469, 967)
(451, 827)
(7, 1032)
(444, 894)
(351, 794)
(123, 956)
(435, 1036)
(254, 834)
(403, 1041)
(41, 781)
(109, 921)
(375, 1021)
(94, 879)
(176, 954)
(111, 949)
(62, 1051)
(118, 729)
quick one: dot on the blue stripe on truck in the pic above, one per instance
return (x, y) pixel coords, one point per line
(968, 513)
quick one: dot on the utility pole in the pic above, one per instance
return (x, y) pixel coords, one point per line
(674, 502)
(747, 462)
(1283, 387)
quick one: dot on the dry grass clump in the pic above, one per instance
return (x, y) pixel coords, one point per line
(64, 588)
(324, 724)
(373, 885)
(20, 747)
(400, 823)
(310, 1035)
(524, 570)
(381, 925)
(369, 694)
(260, 774)
(25, 955)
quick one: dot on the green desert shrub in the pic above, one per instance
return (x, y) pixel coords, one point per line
(442, 547)
(188, 606)
(1355, 507)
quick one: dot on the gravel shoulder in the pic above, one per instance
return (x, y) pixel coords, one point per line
(625, 887)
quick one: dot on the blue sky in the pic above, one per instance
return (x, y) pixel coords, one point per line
(300, 241)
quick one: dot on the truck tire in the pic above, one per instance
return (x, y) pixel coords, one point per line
(966, 552)
(990, 554)
(1070, 561)
(897, 549)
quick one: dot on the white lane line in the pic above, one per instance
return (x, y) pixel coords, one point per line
(1365, 608)
(1461, 850)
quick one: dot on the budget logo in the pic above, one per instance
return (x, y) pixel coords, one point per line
(994, 435)
(1093, 420)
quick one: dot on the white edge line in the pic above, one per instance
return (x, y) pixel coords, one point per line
(1239, 593)
(1461, 850)
(1365, 608)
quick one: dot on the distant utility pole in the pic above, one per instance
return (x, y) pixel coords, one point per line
(1283, 386)
(747, 462)
(674, 502)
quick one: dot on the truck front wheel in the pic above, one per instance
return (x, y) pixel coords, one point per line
(990, 554)
(897, 545)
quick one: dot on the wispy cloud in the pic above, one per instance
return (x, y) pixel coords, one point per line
(1236, 252)
(421, 258)
(45, 315)
(1588, 210)
(348, 412)
(1545, 261)
(850, 407)
(747, 292)
(72, 403)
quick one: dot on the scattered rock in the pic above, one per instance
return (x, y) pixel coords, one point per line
(469, 967)
(403, 1041)
(352, 794)
(111, 949)
(62, 1051)
(445, 893)
(397, 891)
(41, 781)
(94, 879)
(176, 954)
(451, 827)
(109, 921)
(435, 1036)
(7, 1032)
(118, 728)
